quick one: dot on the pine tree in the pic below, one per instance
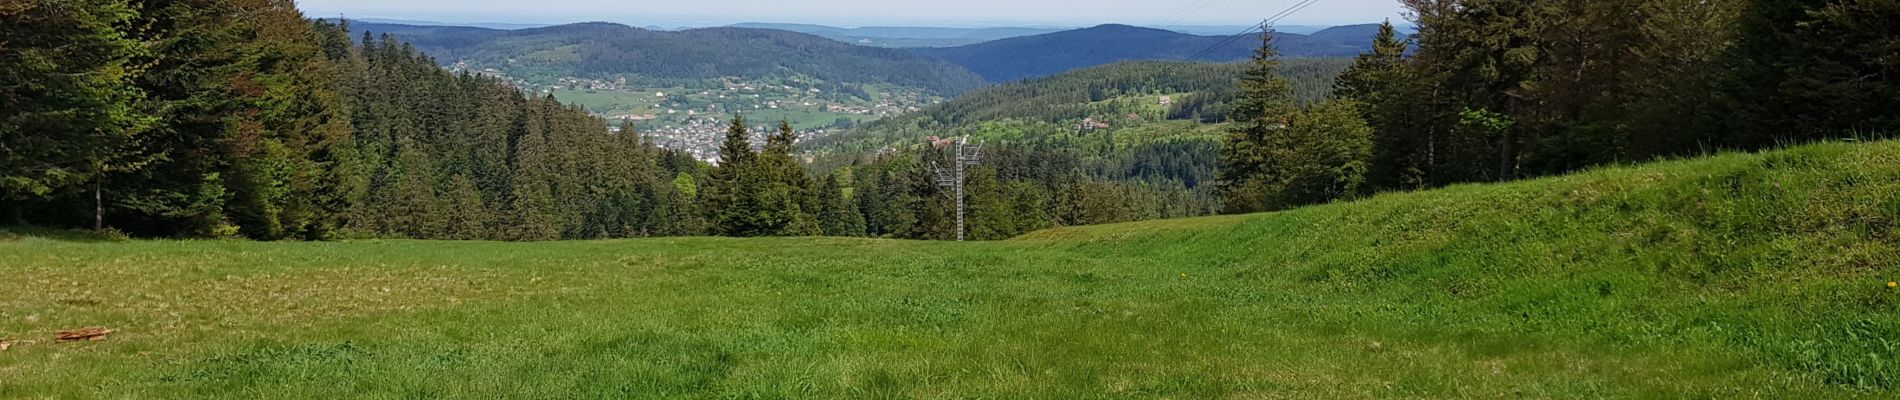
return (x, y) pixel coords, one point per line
(1369, 76)
(1266, 104)
(1810, 69)
(989, 215)
(736, 149)
(69, 109)
(840, 217)
(794, 195)
(466, 215)
(413, 211)
(723, 194)
(888, 206)
(533, 215)
(741, 199)
(1380, 84)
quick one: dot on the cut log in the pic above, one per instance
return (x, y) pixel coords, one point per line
(87, 333)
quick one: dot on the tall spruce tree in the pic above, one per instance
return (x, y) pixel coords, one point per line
(794, 194)
(1369, 77)
(1266, 103)
(465, 215)
(414, 210)
(745, 198)
(533, 214)
(69, 109)
(1809, 69)
(838, 216)
(1381, 85)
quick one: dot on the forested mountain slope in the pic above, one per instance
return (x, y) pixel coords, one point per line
(891, 36)
(604, 50)
(1042, 55)
(272, 126)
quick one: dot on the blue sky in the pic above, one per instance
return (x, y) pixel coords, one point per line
(672, 13)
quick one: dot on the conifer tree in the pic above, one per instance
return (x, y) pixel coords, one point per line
(533, 214)
(1369, 77)
(68, 104)
(1379, 83)
(794, 194)
(840, 217)
(750, 194)
(724, 196)
(413, 210)
(1809, 69)
(466, 215)
(1266, 104)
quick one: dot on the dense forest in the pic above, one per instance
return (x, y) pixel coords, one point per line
(1493, 90)
(242, 118)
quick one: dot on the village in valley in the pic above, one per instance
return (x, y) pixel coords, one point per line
(693, 115)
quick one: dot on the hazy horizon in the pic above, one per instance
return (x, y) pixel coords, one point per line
(858, 13)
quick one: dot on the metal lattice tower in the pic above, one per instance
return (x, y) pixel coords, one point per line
(964, 157)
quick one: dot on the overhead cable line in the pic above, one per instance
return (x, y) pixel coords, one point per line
(1261, 27)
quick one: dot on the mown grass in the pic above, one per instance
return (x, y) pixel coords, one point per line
(1737, 276)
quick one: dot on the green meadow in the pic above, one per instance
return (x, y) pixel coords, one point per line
(1733, 276)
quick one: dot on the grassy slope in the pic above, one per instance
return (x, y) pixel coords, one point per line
(1734, 276)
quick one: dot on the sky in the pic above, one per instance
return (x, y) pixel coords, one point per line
(852, 13)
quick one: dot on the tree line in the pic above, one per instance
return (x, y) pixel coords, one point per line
(212, 118)
(1019, 188)
(1074, 95)
(1493, 90)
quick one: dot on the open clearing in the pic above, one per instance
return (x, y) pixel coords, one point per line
(1736, 276)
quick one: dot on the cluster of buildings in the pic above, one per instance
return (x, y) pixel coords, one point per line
(572, 83)
(701, 136)
(693, 119)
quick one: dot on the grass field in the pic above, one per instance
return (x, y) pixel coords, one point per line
(1737, 276)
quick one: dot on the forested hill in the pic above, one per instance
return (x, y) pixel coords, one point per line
(605, 50)
(891, 36)
(1126, 96)
(1069, 94)
(1042, 55)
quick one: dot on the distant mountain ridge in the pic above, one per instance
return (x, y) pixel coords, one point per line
(753, 49)
(488, 25)
(893, 36)
(1024, 57)
(598, 50)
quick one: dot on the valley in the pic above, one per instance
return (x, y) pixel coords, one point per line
(691, 115)
(689, 110)
(984, 199)
(1632, 282)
